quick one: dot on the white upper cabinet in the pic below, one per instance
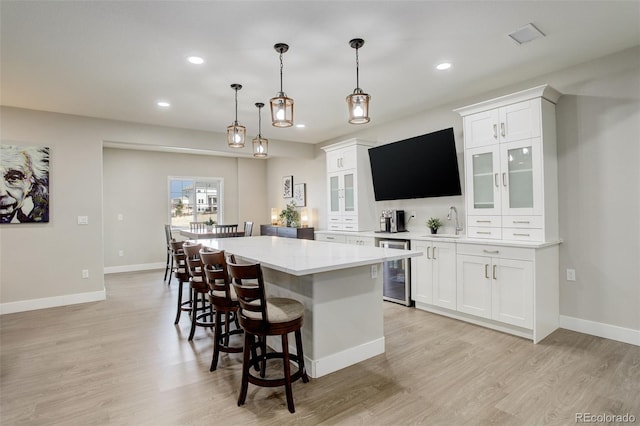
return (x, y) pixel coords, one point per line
(349, 187)
(511, 166)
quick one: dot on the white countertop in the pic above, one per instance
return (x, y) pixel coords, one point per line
(426, 236)
(303, 257)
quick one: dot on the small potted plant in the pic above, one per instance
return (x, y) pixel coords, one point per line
(434, 223)
(289, 216)
(210, 224)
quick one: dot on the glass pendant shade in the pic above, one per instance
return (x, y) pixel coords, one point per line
(358, 101)
(235, 132)
(260, 147)
(236, 135)
(260, 144)
(358, 107)
(281, 105)
(281, 110)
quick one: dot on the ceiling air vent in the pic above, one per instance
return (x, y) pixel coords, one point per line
(525, 34)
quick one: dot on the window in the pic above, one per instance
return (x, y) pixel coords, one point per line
(194, 200)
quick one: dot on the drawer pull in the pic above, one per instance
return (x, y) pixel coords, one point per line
(483, 221)
(491, 251)
(330, 238)
(521, 235)
(483, 232)
(521, 221)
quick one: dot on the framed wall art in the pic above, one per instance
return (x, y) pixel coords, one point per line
(287, 187)
(24, 171)
(300, 194)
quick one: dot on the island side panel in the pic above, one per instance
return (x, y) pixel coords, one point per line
(343, 322)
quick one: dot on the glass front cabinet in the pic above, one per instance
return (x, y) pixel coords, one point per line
(511, 166)
(349, 187)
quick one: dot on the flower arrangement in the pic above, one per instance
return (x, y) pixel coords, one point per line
(290, 216)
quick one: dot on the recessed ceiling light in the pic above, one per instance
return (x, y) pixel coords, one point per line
(197, 60)
(443, 66)
(301, 126)
(526, 34)
(163, 104)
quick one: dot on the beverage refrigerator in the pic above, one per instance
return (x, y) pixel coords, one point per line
(396, 285)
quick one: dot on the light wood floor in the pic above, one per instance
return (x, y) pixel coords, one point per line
(123, 362)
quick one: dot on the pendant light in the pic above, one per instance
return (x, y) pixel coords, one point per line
(358, 101)
(281, 105)
(236, 132)
(260, 144)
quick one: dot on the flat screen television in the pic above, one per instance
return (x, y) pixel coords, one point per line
(419, 167)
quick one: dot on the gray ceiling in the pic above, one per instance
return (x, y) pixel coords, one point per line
(115, 59)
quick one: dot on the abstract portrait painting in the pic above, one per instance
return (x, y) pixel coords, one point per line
(24, 184)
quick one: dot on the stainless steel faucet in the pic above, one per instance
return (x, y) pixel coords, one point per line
(458, 227)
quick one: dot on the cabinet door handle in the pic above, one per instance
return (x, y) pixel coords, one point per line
(495, 273)
(428, 255)
(496, 180)
(495, 131)
(491, 251)
(502, 130)
(486, 270)
(504, 179)
(434, 253)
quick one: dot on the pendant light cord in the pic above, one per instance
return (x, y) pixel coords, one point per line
(281, 66)
(357, 70)
(259, 122)
(236, 122)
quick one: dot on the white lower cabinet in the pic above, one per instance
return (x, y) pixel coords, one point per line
(511, 288)
(496, 288)
(434, 273)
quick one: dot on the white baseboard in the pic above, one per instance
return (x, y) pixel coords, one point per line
(134, 268)
(52, 302)
(608, 331)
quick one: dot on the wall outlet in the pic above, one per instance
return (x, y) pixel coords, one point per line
(374, 271)
(120, 253)
(120, 216)
(83, 220)
(571, 274)
(85, 273)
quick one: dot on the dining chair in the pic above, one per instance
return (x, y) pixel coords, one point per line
(248, 229)
(169, 267)
(260, 317)
(226, 231)
(197, 226)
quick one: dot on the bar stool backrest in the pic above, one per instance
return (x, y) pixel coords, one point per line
(249, 286)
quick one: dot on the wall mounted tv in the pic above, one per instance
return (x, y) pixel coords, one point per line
(419, 167)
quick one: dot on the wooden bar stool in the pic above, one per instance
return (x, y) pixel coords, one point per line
(224, 300)
(182, 275)
(261, 317)
(201, 309)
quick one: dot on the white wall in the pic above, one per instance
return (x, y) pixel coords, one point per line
(136, 186)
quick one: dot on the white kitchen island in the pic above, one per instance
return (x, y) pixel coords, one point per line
(340, 286)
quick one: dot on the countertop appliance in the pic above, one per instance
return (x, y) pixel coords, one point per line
(396, 285)
(392, 221)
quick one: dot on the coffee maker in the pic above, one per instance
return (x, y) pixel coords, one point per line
(392, 221)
